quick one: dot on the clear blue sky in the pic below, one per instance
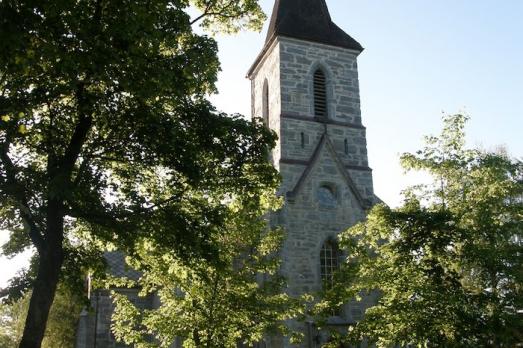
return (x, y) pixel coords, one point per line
(421, 58)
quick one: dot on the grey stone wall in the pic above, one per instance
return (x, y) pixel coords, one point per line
(269, 70)
(298, 62)
(94, 329)
(313, 152)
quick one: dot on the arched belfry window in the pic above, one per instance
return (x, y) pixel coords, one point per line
(329, 262)
(320, 94)
(265, 103)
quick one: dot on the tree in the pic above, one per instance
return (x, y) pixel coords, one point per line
(63, 318)
(236, 299)
(448, 263)
(102, 104)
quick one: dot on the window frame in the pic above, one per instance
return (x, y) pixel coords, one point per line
(330, 261)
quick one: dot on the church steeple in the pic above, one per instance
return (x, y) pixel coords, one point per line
(305, 88)
(308, 20)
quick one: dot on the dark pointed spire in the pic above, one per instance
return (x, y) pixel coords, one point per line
(308, 20)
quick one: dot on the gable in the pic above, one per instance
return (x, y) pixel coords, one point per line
(326, 169)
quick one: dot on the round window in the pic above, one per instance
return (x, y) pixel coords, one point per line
(326, 197)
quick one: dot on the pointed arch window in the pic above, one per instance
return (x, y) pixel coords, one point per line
(329, 262)
(265, 103)
(320, 94)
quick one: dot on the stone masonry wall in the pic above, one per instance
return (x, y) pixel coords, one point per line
(314, 152)
(300, 130)
(95, 325)
(269, 70)
(299, 59)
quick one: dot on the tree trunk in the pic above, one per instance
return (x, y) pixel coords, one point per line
(42, 299)
(50, 262)
(196, 337)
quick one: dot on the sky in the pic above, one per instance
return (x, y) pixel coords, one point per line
(421, 59)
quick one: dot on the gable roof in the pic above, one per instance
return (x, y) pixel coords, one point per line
(308, 20)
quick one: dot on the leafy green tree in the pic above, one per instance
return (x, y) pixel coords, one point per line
(12, 317)
(62, 323)
(102, 104)
(236, 299)
(448, 263)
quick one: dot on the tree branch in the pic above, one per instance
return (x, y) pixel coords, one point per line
(204, 14)
(80, 133)
(17, 192)
(208, 8)
(84, 124)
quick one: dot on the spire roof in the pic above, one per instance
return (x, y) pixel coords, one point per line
(308, 20)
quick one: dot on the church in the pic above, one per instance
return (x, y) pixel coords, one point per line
(304, 86)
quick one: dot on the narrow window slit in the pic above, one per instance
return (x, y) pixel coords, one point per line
(265, 104)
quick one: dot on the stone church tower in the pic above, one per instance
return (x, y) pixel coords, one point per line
(305, 88)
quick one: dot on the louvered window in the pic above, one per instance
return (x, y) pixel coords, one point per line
(320, 94)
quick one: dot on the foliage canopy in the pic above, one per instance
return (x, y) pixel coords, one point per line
(447, 264)
(238, 299)
(104, 128)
